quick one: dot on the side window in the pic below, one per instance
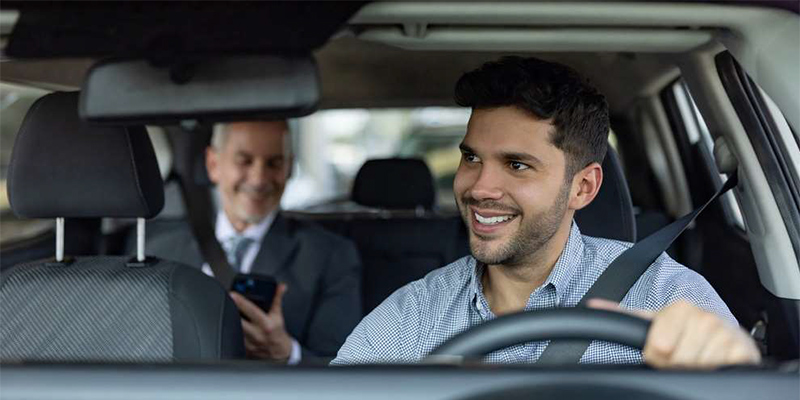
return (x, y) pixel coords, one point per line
(698, 135)
(15, 101)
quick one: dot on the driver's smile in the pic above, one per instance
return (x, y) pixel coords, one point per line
(485, 223)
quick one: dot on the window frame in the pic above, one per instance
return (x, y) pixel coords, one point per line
(692, 130)
(761, 130)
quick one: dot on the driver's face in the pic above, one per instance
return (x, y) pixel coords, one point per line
(510, 186)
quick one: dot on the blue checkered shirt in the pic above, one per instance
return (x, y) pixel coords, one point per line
(420, 316)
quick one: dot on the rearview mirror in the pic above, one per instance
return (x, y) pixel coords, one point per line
(242, 87)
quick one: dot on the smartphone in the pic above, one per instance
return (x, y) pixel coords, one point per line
(260, 289)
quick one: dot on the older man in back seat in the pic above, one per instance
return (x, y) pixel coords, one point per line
(530, 159)
(318, 301)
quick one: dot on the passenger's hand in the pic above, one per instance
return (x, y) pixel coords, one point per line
(265, 335)
(685, 336)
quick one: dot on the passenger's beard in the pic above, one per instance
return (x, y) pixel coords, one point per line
(251, 219)
(533, 234)
(248, 216)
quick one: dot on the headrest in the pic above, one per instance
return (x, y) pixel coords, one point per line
(610, 214)
(394, 183)
(64, 167)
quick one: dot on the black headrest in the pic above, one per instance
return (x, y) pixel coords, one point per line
(610, 215)
(394, 183)
(64, 167)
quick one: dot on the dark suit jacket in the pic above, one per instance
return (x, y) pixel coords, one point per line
(322, 271)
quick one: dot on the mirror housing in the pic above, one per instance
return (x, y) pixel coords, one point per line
(223, 88)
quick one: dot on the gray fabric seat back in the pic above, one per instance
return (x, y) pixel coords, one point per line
(610, 214)
(106, 309)
(102, 308)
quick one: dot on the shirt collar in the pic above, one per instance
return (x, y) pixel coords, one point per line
(563, 271)
(224, 229)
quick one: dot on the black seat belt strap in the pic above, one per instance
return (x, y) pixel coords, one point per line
(197, 200)
(615, 282)
(198, 210)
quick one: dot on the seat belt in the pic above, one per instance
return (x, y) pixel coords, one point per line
(615, 282)
(198, 210)
(199, 207)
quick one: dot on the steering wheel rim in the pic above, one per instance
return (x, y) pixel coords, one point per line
(539, 325)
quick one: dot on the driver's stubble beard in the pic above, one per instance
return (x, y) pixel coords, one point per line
(534, 233)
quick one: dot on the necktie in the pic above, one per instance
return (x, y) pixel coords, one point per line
(237, 247)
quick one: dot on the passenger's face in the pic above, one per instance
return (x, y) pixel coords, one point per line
(510, 185)
(251, 169)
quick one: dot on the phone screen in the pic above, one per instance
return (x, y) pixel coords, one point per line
(260, 289)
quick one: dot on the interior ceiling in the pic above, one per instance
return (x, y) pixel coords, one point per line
(361, 73)
(357, 73)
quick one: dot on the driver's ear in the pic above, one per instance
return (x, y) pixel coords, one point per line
(585, 186)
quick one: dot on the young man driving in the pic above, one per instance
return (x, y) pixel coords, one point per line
(531, 158)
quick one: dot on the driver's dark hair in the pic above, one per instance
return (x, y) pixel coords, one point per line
(548, 91)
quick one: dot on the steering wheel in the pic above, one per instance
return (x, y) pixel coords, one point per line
(531, 326)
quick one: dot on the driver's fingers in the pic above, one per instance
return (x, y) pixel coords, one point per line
(716, 350)
(697, 332)
(664, 334)
(744, 350)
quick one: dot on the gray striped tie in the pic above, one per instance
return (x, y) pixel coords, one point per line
(236, 249)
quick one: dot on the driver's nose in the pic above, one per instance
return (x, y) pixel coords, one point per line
(486, 185)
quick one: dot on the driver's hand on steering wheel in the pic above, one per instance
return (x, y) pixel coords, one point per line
(685, 336)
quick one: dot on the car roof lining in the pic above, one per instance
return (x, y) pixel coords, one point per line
(366, 66)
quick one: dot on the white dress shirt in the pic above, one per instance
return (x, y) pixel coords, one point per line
(225, 231)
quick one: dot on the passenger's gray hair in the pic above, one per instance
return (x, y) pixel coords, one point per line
(220, 134)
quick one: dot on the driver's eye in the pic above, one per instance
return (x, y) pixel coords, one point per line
(471, 158)
(518, 166)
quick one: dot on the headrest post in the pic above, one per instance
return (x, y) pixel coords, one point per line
(140, 239)
(59, 239)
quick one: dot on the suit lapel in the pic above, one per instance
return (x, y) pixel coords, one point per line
(277, 249)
